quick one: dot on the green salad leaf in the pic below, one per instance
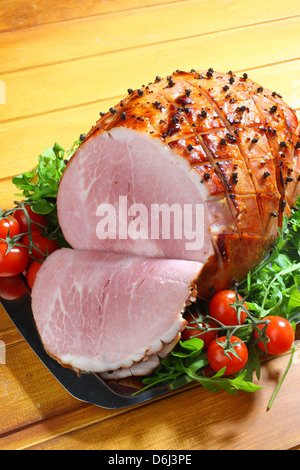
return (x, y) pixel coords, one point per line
(274, 285)
(188, 363)
(40, 186)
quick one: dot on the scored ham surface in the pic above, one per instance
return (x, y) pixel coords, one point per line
(205, 139)
(102, 312)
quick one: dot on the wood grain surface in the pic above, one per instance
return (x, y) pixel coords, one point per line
(64, 61)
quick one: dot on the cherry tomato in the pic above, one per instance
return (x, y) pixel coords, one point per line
(189, 333)
(14, 262)
(32, 272)
(21, 218)
(11, 225)
(12, 288)
(40, 243)
(220, 309)
(281, 335)
(217, 359)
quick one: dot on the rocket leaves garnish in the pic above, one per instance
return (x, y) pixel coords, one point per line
(274, 285)
(40, 186)
(189, 363)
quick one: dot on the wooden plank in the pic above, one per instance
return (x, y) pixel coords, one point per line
(48, 421)
(45, 89)
(23, 140)
(103, 34)
(23, 14)
(73, 429)
(58, 425)
(188, 421)
(29, 392)
(8, 193)
(7, 198)
(10, 335)
(5, 321)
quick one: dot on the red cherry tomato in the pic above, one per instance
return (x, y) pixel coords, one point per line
(189, 333)
(14, 262)
(32, 272)
(11, 225)
(12, 288)
(281, 335)
(41, 244)
(21, 218)
(220, 309)
(217, 359)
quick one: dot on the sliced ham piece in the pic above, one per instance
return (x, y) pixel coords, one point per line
(194, 138)
(100, 312)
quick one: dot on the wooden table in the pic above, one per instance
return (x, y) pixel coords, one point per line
(64, 61)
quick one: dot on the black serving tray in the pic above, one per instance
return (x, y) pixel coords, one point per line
(87, 387)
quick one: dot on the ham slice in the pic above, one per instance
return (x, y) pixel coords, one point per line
(99, 312)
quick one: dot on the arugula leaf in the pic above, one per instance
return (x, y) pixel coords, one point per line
(40, 186)
(217, 382)
(271, 284)
(283, 377)
(186, 363)
(294, 300)
(253, 364)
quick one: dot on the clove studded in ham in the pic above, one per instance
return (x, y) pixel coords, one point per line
(186, 178)
(104, 312)
(209, 142)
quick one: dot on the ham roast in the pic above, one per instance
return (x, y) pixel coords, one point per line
(209, 139)
(104, 312)
(220, 147)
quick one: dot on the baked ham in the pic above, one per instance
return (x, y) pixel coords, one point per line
(205, 139)
(109, 313)
(208, 140)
